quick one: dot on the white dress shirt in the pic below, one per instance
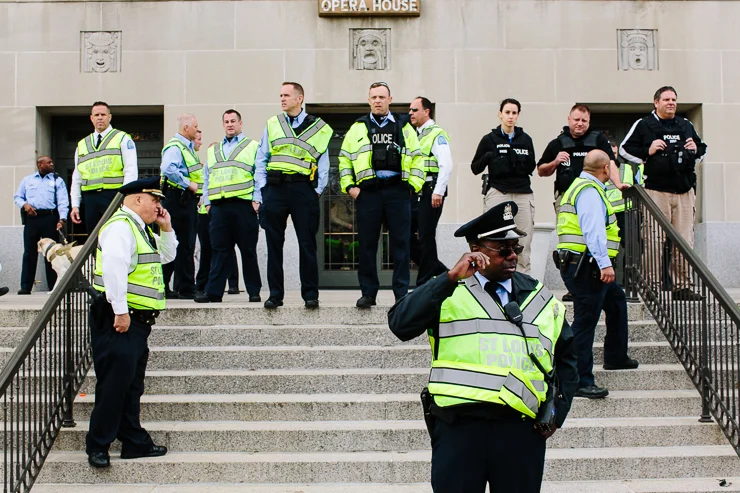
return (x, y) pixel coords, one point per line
(118, 247)
(130, 168)
(444, 159)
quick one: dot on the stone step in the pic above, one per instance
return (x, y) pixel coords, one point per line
(189, 313)
(322, 407)
(370, 436)
(313, 357)
(384, 467)
(354, 380)
(683, 485)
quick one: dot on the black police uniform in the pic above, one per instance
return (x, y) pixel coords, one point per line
(478, 444)
(93, 204)
(384, 201)
(577, 148)
(509, 162)
(120, 362)
(204, 237)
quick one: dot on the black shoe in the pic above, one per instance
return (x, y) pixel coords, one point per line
(24, 291)
(365, 302)
(233, 291)
(255, 298)
(686, 294)
(99, 459)
(568, 296)
(4, 291)
(312, 304)
(186, 296)
(171, 295)
(207, 298)
(273, 303)
(155, 451)
(628, 364)
(592, 392)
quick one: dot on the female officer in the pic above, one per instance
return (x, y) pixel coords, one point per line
(507, 154)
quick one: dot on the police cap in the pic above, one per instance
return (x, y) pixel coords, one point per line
(495, 224)
(146, 185)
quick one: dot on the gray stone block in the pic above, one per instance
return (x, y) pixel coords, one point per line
(716, 244)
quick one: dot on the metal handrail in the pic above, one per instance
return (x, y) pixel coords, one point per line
(704, 332)
(42, 376)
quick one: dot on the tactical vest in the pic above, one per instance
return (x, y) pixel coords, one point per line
(145, 290)
(296, 154)
(570, 236)
(479, 356)
(386, 146)
(101, 168)
(674, 159)
(356, 156)
(232, 177)
(628, 176)
(192, 162)
(510, 158)
(577, 150)
(427, 138)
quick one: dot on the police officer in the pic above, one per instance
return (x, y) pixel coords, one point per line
(204, 238)
(42, 199)
(426, 207)
(292, 171)
(588, 241)
(104, 161)
(183, 172)
(228, 193)
(629, 174)
(380, 165)
(670, 148)
(500, 347)
(128, 274)
(507, 153)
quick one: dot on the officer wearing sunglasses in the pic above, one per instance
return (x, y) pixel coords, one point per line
(503, 362)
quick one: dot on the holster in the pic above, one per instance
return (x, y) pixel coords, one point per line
(426, 405)
(546, 413)
(484, 179)
(562, 259)
(185, 197)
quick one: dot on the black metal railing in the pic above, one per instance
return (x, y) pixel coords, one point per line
(39, 382)
(697, 316)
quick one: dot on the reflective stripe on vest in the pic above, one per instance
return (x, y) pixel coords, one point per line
(101, 168)
(291, 153)
(236, 178)
(426, 143)
(192, 163)
(145, 285)
(628, 176)
(570, 236)
(482, 357)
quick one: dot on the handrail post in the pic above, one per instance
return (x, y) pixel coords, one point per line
(631, 246)
(69, 367)
(706, 417)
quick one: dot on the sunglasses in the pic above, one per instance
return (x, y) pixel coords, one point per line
(378, 84)
(505, 251)
(413, 110)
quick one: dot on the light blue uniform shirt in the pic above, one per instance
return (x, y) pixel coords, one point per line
(173, 164)
(44, 193)
(592, 219)
(227, 146)
(384, 173)
(503, 288)
(263, 157)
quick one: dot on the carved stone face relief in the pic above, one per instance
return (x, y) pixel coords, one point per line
(101, 51)
(637, 49)
(370, 49)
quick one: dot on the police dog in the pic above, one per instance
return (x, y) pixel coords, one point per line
(60, 256)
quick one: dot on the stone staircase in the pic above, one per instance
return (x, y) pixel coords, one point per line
(297, 401)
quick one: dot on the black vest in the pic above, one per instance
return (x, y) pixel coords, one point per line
(510, 158)
(674, 159)
(386, 145)
(577, 149)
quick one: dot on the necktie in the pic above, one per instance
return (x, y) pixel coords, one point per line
(100, 139)
(149, 235)
(491, 290)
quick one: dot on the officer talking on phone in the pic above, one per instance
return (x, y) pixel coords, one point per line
(503, 362)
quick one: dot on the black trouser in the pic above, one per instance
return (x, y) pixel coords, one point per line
(182, 207)
(301, 202)
(204, 237)
(96, 203)
(43, 225)
(120, 366)
(424, 220)
(506, 454)
(587, 306)
(233, 223)
(375, 206)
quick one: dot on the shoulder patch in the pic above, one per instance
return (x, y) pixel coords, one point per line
(441, 140)
(130, 144)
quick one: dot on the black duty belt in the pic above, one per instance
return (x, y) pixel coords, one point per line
(44, 212)
(148, 317)
(230, 200)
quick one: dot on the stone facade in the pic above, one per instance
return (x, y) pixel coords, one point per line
(204, 57)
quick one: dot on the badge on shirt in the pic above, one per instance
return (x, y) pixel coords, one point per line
(441, 140)
(130, 144)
